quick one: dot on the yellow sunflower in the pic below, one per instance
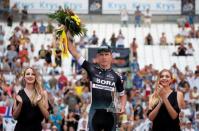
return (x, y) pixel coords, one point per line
(76, 19)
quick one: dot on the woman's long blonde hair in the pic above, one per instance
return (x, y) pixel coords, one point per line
(37, 85)
(154, 98)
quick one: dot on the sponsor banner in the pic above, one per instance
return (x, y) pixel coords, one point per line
(120, 57)
(188, 7)
(197, 6)
(49, 6)
(95, 6)
(156, 6)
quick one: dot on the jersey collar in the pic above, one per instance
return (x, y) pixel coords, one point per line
(98, 67)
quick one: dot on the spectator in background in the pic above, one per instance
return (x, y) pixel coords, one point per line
(138, 111)
(62, 80)
(133, 48)
(21, 27)
(197, 69)
(104, 43)
(187, 25)
(179, 39)
(192, 32)
(9, 20)
(175, 71)
(194, 97)
(58, 58)
(17, 66)
(190, 50)
(17, 33)
(2, 79)
(53, 82)
(181, 21)
(188, 126)
(11, 54)
(147, 18)
(82, 42)
(187, 71)
(78, 88)
(135, 66)
(113, 40)
(48, 55)
(128, 82)
(23, 55)
(42, 52)
(2, 33)
(124, 17)
(71, 121)
(197, 33)
(35, 28)
(42, 28)
(86, 96)
(14, 10)
(5, 67)
(138, 15)
(71, 99)
(30, 47)
(163, 39)
(138, 81)
(56, 118)
(14, 40)
(184, 32)
(196, 79)
(149, 39)
(181, 51)
(2, 46)
(120, 40)
(49, 27)
(24, 13)
(182, 82)
(94, 39)
(190, 78)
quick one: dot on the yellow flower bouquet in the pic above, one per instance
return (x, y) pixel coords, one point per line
(70, 20)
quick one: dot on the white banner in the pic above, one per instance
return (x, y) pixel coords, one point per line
(197, 6)
(156, 6)
(49, 6)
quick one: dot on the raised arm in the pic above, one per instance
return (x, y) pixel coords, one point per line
(72, 49)
(170, 108)
(173, 111)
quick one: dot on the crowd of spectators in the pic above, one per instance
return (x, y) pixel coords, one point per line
(69, 96)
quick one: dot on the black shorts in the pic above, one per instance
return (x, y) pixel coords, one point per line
(100, 119)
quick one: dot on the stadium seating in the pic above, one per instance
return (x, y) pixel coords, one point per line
(159, 56)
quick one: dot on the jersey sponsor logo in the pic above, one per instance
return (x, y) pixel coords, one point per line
(110, 76)
(103, 87)
(105, 82)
